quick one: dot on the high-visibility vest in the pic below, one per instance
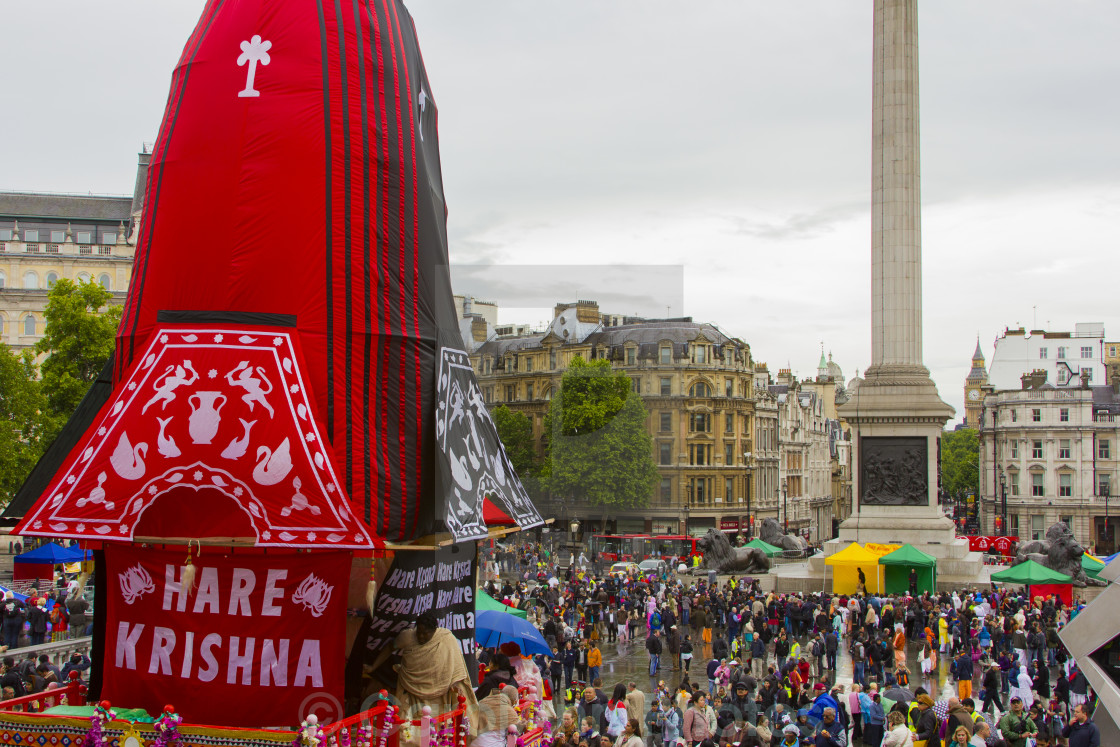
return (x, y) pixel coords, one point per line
(913, 714)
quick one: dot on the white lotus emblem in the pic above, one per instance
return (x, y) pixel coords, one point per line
(313, 594)
(135, 583)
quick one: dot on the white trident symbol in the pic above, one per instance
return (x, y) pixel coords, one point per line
(252, 52)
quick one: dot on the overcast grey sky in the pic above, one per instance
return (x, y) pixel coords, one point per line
(728, 137)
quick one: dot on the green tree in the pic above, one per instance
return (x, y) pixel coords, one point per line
(21, 420)
(516, 431)
(78, 341)
(960, 462)
(599, 450)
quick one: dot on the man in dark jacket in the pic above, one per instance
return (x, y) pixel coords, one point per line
(958, 716)
(11, 611)
(654, 647)
(831, 643)
(1081, 732)
(991, 685)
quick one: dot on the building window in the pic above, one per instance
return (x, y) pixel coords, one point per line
(30, 281)
(1036, 485)
(728, 388)
(1063, 448)
(1036, 450)
(109, 237)
(5, 234)
(57, 237)
(666, 355)
(729, 454)
(1088, 373)
(666, 422)
(1067, 520)
(85, 237)
(637, 384)
(1086, 352)
(3, 280)
(1036, 526)
(700, 354)
(1036, 415)
(665, 453)
(666, 490)
(552, 360)
(528, 390)
(729, 423)
(1065, 485)
(52, 278)
(528, 364)
(666, 386)
(104, 282)
(1104, 483)
(1014, 416)
(1013, 478)
(631, 353)
(700, 422)
(1014, 448)
(699, 455)
(83, 277)
(29, 324)
(700, 389)
(1063, 415)
(729, 489)
(509, 392)
(31, 235)
(489, 394)
(1104, 449)
(1061, 352)
(1043, 352)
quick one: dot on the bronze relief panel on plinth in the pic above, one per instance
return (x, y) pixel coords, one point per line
(894, 471)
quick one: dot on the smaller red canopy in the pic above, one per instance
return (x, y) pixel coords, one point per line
(211, 433)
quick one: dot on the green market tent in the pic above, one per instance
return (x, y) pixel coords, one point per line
(1038, 579)
(766, 547)
(897, 571)
(483, 602)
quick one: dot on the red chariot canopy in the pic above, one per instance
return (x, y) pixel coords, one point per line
(211, 433)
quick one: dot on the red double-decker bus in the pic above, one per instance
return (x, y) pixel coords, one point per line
(616, 548)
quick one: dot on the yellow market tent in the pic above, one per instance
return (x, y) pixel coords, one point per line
(846, 565)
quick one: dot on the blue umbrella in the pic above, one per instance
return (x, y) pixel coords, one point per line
(493, 628)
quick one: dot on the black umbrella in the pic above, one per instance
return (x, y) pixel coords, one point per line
(899, 694)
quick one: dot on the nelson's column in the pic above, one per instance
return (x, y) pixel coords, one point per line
(895, 413)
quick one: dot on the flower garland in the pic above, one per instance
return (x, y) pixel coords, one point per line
(308, 735)
(102, 714)
(167, 728)
(387, 725)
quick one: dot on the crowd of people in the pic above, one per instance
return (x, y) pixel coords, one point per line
(57, 614)
(732, 665)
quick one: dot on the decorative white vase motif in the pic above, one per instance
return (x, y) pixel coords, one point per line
(205, 415)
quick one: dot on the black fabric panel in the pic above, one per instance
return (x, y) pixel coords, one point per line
(97, 650)
(226, 317)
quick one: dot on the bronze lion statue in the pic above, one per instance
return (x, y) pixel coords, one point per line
(771, 533)
(722, 557)
(1059, 551)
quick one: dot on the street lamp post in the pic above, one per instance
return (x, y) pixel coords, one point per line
(1003, 499)
(747, 461)
(785, 502)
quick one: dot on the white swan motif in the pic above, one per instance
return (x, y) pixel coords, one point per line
(166, 445)
(273, 466)
(238, 446)
(128, 460)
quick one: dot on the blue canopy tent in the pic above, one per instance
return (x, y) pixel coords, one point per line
(54, 554)
(38, 564)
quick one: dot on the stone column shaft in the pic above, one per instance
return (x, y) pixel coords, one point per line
(896, 213)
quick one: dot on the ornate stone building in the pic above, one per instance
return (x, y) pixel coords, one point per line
(1050, 454)
(698, 388)
(45, 237)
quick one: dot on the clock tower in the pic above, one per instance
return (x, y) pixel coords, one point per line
(977, 377)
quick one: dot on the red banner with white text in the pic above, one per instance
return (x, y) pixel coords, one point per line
(1002, 545)
(257, 639)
